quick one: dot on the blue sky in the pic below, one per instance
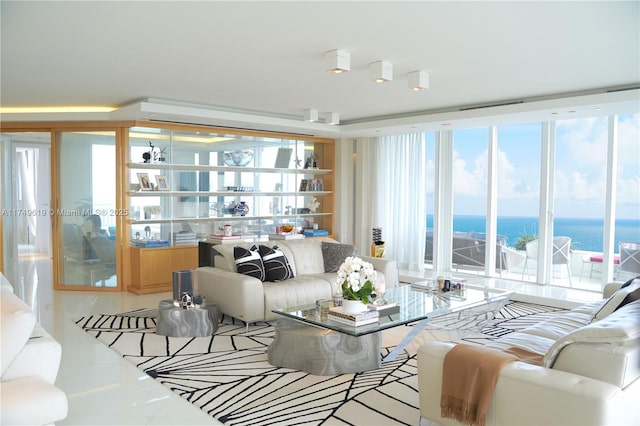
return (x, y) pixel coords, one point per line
(581, 147)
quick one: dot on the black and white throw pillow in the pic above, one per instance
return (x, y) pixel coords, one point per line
(249, 262)
(276, 265)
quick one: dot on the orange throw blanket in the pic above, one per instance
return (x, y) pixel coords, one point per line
(469, 376)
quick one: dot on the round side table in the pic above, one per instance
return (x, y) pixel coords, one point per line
(178, 322)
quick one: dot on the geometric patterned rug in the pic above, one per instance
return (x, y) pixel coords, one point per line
(227, 375)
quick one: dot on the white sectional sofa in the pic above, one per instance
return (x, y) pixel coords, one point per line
(249, 299)
(30, 359)
(590, 373)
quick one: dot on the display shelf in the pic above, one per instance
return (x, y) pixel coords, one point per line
(198, 185)
(226, 218)
(224, 193)
(194, 190)
(199, 168)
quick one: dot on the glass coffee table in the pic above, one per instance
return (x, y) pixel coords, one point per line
(417, 304)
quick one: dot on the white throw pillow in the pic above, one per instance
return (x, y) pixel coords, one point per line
(617, 328)
(612, 303)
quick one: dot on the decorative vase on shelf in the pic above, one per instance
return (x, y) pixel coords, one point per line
(353, 306)
(242, 208)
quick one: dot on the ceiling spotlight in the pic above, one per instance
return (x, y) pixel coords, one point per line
(332, 118)
(381, 71)
(418, 80)
(338, 61)
(311, 115)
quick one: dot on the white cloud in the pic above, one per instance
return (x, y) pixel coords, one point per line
(581, 165)
(470, 182)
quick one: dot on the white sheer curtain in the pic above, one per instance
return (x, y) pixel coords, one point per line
(400, 200)
(28, 198)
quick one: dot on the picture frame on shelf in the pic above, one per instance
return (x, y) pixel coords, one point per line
(145, 183)
(315, 185)
(304, 184)
(283, 158)
(161, 183)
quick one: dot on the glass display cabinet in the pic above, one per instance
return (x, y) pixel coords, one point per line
(184, 186)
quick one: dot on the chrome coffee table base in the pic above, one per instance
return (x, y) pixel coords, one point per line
(322, 352)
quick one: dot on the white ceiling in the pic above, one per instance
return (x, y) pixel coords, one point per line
(260, 64)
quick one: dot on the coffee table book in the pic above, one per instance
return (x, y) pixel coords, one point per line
(384, 310)
(361, 318)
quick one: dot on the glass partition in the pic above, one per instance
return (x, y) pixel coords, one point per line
(86, 212)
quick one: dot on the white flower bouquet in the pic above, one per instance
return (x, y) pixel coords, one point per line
(356, 277)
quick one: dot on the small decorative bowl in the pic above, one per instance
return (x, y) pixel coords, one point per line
(238, 158)
(287, 228)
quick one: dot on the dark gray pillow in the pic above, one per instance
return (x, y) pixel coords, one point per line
(333, 254)
(249, 262)
(631, 297)
(628, 283)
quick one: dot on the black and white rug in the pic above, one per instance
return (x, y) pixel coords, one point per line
(227, 375)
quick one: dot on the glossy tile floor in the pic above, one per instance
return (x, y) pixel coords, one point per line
(104, 389)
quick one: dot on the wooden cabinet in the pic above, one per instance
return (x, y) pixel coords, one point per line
(152, 268)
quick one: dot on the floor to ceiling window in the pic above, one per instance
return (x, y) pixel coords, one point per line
(627, 219)
(470, 169)
(579, 188)
(578, 172)
(518, 194)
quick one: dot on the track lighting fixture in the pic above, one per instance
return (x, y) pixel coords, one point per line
(332, 118)
(418, 80)
(311, 115)
(338, 61)
(381, 71)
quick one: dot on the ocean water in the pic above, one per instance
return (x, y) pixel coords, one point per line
(586, 234)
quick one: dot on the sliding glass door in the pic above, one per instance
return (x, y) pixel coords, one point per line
(86, 210)
(26, 219)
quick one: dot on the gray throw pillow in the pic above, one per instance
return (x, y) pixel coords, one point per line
(333, 254)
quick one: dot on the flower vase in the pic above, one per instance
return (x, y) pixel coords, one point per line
(353, 306)
(242, 208)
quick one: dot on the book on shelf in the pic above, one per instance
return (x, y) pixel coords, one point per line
(218, 241)
(315, 232)
(286, 236)
(150, 243)
(225, 237)
(360, 318)
(183, 238)
(183, 235)
(235, 239)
